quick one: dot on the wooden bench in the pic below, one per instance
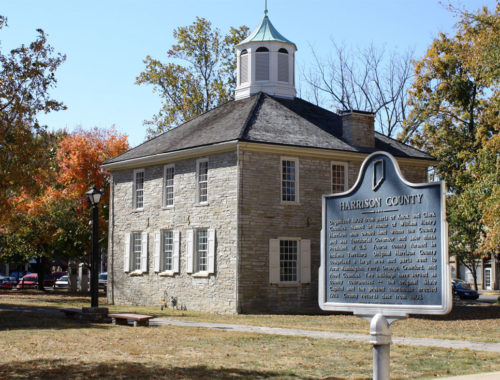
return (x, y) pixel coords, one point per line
(72, 312)
(123, 318)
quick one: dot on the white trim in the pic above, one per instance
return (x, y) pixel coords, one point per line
(134, 189)
(176, 252)
(126, 253)
(144, 252)
(339, 155)
(346, 174)
(211, 250)
(157, 250)
(296, 181)
(162, 158)
(189, 251)
(164, 187)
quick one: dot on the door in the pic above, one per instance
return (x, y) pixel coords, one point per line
(487, 278)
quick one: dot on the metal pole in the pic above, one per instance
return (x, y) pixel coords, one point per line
(380, 332)
(94, 260)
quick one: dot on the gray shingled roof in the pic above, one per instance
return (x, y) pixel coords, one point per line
(262, 118)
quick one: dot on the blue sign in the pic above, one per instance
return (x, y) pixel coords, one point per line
(384, 244)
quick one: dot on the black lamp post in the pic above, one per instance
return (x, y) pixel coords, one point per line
(94, 197)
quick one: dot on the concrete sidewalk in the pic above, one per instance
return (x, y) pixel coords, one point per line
(442, 343)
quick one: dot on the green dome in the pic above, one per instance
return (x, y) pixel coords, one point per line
(266, 32)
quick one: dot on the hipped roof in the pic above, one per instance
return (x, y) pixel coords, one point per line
(266, 119)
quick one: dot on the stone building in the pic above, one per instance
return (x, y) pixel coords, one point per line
(223, 213)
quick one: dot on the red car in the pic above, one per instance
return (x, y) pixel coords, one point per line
(7, 283)
(30, 281)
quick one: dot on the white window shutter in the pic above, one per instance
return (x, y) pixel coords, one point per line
(176, 253)
(157, 251)
(126, 253)
(305, 261)
(211, 250)
(189, 251)
(144, 252)
(274, 261)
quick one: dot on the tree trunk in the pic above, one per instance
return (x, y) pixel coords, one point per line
(40, 269)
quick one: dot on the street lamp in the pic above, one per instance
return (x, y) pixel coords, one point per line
(94, 196)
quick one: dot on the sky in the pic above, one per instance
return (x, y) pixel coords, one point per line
(106, 41)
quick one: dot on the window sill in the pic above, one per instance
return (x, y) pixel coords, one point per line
(168, 207)
(201, 204)
(288, 284)
(136, 273)
(167, 273)
(289, 203)
(138, 210)
(201, 274)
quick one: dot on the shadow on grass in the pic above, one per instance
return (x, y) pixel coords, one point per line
(59, 369)
(21, 320)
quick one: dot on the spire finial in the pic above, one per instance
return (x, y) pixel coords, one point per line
(265, 10)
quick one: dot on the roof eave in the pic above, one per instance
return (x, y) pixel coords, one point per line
(159, 158)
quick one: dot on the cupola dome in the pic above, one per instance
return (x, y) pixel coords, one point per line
(265, 63)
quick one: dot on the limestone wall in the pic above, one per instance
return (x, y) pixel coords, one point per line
(263, 217)
(215, 293)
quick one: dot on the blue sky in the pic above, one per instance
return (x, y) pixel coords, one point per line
(106, 41)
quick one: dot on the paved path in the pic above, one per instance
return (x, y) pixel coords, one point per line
(454, 344)
(443, 343)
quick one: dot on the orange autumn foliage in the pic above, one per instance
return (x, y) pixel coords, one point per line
(80, 157)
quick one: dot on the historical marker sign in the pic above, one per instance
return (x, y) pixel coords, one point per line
(384, 245)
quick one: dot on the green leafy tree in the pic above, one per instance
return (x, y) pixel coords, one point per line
(455, 103)
(204, 78)
(27, 73)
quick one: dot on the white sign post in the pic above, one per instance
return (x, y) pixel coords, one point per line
(384, 252)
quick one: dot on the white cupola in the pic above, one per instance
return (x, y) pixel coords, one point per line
(265, 62)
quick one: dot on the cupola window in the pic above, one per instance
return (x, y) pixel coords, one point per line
(262, 64)
(244, 66)
(283, 75)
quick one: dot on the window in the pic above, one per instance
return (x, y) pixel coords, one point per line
(135, 258)
(136, 250)
(168, 181)
(201, 250)
(200, 247)
(202, 177)
(283, 75)
(166, 252)
(262, 64)
(244, 66)
(289, 261)
(289, 180)
(339, 177)
(138, 189)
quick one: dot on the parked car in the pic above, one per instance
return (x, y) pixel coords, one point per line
(460, 290)
(464, 283)
(30, 281)
(61, 282)
(8, 283)
(103, 280)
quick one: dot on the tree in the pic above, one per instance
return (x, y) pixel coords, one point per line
(79, 159)
(204, 78)
(27, 74)
(364, 80)
(54, 222)
(455, 100)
